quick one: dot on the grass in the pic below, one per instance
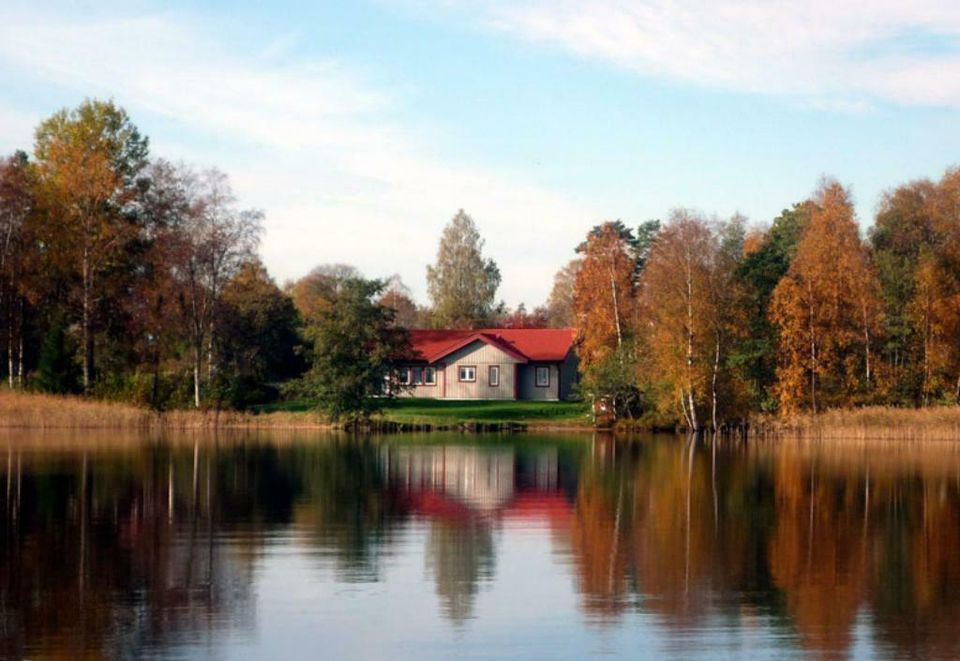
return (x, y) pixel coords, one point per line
(435, 411)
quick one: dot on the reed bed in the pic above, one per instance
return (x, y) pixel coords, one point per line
(883, 423)
(36, 411)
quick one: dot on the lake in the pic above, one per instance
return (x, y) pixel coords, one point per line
(306, 545)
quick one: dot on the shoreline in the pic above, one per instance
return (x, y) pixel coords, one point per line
(29, 411)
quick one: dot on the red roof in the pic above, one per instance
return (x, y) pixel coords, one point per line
(524, 344)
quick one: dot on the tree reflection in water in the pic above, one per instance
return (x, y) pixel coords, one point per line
(139, 545)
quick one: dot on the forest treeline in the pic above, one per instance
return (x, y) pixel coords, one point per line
(706, 321)
(126, 276)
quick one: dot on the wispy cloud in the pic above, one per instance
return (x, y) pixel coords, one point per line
(834, 53)
(317, 144)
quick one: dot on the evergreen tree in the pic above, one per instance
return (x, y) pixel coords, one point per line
(57, 369)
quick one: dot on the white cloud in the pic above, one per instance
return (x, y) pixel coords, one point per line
(15, 126)
(314, 144)
(834, 53)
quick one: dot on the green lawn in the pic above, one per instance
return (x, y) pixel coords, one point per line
(450, 412)
(447, 412)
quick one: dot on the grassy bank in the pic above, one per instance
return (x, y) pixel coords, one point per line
(941, 423)
(445, 412)
(35, 411)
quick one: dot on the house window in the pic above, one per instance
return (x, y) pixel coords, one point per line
(542, 377)
(417, 375)
(467, 373)
(429, 376)
(494, 376)
(404, 376)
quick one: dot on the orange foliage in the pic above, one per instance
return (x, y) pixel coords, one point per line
(603, 296)
(826, 310)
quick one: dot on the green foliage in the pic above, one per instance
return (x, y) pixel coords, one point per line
(101, 123)
(613, 379)
(354, 344)
(756, 276)
(258, 340)
(462, 284)
(58, 371)
(638, 243)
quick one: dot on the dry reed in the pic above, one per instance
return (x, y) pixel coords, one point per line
(941, 423)
(36, 411)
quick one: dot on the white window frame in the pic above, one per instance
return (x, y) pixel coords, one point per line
(416, 377)
(407, 377)
(493, 376)
(536, 376)
(460, 372)
(429, 376)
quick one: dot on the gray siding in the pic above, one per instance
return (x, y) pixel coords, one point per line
(528, 383)
(480, 355)
(568, 375)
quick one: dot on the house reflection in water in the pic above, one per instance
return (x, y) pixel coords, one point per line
(464, 492)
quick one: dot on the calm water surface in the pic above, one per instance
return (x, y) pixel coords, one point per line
(306, 546)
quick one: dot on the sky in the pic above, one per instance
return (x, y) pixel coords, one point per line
(361, 127)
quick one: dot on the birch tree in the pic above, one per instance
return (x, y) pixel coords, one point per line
(826, 311)
(16, 205)
(212, 242)
(674, 317)
(462, 283)
(604, 293)
(88, 162)
(560, 304)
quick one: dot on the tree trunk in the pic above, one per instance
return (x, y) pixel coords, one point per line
(11, 360)
(813, 355)
(693, 410)
(926, 358)
(695, 425)
(616, 306)
(87, 322)
(713, 386)
(866, 339)
(211, 363)
(197, 366)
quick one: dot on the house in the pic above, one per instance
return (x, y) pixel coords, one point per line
(496, 363)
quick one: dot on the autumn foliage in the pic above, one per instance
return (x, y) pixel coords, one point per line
(719, 321)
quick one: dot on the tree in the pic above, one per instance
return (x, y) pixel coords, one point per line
(560, 306)
(258, 337)
(905, 228)
(462, 284)
(57, 366)
(520, 318)
(88, 161)
(212, 241)
(825, 310)
(686, 314)
(313, 292)
(604, 292)
(355, 342)
(397, 297)
(16, 206)
(765, 261)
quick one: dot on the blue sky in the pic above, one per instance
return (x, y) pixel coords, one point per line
(361, 127)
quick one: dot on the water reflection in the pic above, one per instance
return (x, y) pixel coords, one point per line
(139, 547)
